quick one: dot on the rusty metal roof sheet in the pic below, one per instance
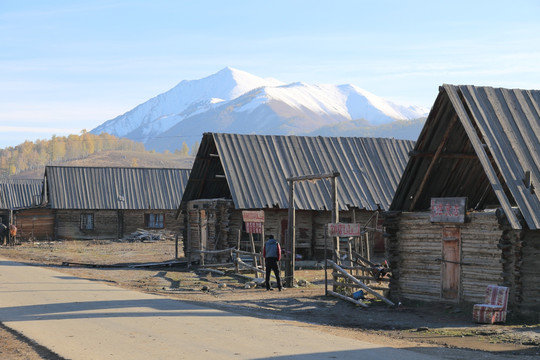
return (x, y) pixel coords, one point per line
(114, 187)
(20, 194)
(491, 152)
(252, 170)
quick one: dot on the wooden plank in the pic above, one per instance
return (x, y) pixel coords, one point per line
(240, 262)
(362, 285)
(214, 251)
(346, 298)
(434, 160)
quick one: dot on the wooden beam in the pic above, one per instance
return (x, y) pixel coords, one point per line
(291, 237)
(314, 176)
(212, 251)
(444, 156)
(256, 270)
(291, 229)
(358, 282)
(346, 298)
(433, 162)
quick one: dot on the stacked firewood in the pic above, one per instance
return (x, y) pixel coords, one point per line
(150, 235)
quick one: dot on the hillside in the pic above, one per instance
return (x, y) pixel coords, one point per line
(120, 159)
(401, 129)
(29, 159)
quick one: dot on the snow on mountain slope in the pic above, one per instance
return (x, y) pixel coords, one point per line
(343, 101)
(185, 99)
(236, 101)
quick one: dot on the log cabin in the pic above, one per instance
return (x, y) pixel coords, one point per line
(480, 145)
(112, 202)
(21, 205)
(233, 173)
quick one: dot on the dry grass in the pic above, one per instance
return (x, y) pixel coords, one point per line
(92, 252)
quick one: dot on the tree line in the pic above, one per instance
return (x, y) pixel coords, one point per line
(33, 154)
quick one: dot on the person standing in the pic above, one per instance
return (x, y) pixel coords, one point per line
(12, 234)
(272, 256)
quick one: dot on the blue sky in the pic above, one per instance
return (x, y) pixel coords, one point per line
(71, 65)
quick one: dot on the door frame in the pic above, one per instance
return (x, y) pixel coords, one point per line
(451, 263)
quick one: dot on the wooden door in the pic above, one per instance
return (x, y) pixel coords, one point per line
(450, 264)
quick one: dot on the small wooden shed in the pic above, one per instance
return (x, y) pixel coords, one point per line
(233, 173)
(21, 205)
(482, 144)
(112, 202)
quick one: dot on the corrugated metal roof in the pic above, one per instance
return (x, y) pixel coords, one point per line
(19, 194)
(500, 128)
(255, 169)
(114, 187)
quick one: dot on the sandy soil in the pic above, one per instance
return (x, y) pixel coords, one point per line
(445, 330)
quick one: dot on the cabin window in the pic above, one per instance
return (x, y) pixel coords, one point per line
(87, 221)
(154, 221)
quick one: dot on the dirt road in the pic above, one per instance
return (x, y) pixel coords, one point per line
(431, 329)
(81, 319)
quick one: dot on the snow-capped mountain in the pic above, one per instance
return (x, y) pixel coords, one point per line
(235, 101)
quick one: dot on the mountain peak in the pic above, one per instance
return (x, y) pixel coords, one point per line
(230, 83)
(229, 73)
(226, 101)
(227, 70)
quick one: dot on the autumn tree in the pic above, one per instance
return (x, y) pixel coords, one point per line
(41, 152)
(195, 148)
(184, 151)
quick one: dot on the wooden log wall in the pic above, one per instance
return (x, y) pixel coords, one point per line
(218, 226)
(528, 266)
(67, 225)
(521, 267)
(134, 219)
(34, 224)
(414, 244)
(224, 223)
(193, 231)
(274, 220)
(479, 247)
(309, 228)
(108, 224)
(321, 218)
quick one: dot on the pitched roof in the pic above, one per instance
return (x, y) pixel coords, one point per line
(114, 187)
(19, 194)
(252, 170)
(479, 142)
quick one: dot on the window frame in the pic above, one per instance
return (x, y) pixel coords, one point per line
(154, 220)
(84, 224)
